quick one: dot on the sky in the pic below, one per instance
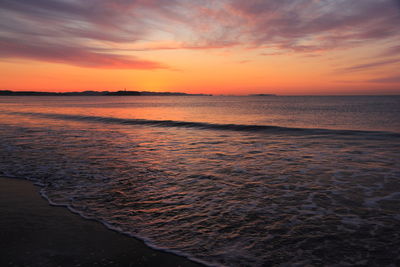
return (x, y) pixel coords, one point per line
(286, 47)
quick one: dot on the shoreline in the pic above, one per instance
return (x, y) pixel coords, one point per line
(35, 233)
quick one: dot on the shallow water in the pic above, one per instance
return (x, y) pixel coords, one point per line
(223, 180)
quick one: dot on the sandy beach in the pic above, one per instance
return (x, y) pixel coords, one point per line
(33, 233)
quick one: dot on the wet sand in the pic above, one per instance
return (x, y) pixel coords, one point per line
(33, 233)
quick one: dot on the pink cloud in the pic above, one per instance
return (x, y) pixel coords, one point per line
(296, 26)
(370, 65)
(306, 25)
(78, 56)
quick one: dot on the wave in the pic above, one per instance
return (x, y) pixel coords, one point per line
(206, 125)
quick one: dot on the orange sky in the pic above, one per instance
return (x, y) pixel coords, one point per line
(229, 47)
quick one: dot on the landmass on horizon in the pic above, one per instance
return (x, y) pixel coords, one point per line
(107, 93)
(96, 93)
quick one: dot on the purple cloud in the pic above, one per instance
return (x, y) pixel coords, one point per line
(390, 79)
(94, 27)
(78, 56)
(392, 51)
(73, 32)
(366, 66)
(318, 24)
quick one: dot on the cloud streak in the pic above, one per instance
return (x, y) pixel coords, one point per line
(77, 56)
(318, 25)
(371, 65)
(390, 79)
(71, 31)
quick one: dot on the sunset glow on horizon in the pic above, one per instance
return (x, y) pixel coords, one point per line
(320, 47)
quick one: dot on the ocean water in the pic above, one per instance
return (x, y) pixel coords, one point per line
(226, 181)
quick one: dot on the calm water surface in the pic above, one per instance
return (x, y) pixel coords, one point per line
(227, 181)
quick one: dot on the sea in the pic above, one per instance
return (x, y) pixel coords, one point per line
(221, 180)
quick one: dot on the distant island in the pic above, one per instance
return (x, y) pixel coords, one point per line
(96, 93)
(262, 95)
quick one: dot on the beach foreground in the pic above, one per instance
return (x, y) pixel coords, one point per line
(33, 233)
(224, 181)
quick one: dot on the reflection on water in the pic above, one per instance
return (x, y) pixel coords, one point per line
(340, 112)
(223, 197)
